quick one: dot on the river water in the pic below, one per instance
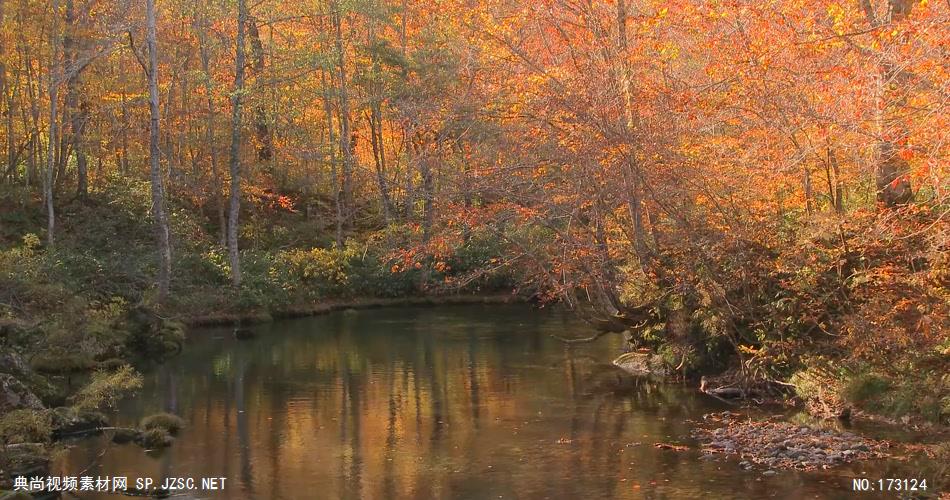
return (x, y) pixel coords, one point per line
(419, 403)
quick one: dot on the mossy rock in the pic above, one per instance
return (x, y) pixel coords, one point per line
(151, 335)
(244, 333)
(16, 395)
(28, 461)
(643, 364)
(155, 439)
(68, 421)
(123, 436)
(62, 363)
(166, 421)
(25, 426)
(15, 495)
(13, 364)
(111, 364)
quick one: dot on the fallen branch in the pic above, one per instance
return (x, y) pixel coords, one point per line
(582, 340)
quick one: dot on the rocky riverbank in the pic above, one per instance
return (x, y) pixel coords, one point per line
(783, 445)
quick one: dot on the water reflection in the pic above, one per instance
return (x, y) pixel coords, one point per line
(460, 402)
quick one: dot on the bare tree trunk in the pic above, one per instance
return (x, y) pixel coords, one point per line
(265, 148)
(376, 126)
(337, 199)
(346, 141)
(631, 175)
(8, 102)
(77, 115)
(54, 77)
(890, 170)
(806, 180)
(154, 156)
(835, 187)
(235, 161)
(209, 133)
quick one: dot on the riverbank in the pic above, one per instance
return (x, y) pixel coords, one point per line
(304, 310)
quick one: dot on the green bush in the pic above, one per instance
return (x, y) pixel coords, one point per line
(25, 426)
(170, 423)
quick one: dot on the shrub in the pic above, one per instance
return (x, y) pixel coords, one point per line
(25, 426)
(105, 388)
(155, 438)
(170, 423)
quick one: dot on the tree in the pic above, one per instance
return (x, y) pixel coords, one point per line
(234, 207)
(155, 171)
(55, 75)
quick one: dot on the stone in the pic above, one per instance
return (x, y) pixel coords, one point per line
(70, 421)
(14, 395)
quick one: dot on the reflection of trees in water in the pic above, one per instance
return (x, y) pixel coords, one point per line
(406, 409)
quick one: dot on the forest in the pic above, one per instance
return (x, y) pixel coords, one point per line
(757, 191)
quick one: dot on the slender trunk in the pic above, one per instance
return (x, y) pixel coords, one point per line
(890, 170)
(209, 134)
(379, 156)
(235, 160)
(8, 102)
(331, 150)
(806, 180)
(265, 148)
(631, 174)
(836, 188)
(154, 157)
(76, 114)
(346, 140)
(124, 164)
(376, 127)
(54, 76)
(428, 196)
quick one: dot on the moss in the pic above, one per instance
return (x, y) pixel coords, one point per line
(166, 421)
(155, 438)
(62, 363)
(69, 421)
(123, 436)
(111, 364)
(106, 388)
(26, 426)
(865, 387)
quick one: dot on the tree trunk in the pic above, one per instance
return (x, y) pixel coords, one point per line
(631, 174)
(835, 187)
(235, 160)
(890, 169)
(376, 126)
(154, 156)
(209, 133)
(265, 147)
(346, 140)
(337, 200)
(54, 77)
(73, 104)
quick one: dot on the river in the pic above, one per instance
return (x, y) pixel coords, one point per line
(419, 403)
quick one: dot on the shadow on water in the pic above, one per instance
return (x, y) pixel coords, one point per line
(454, 402)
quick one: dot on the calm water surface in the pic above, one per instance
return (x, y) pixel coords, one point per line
(418, 403)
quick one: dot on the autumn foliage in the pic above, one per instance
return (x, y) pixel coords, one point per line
(744, 181)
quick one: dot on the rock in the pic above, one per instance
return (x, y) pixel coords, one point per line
(155, 439)
(13, 364)
(27, 461)
(642, 364)
(170, 423)
(123, 436)
(70, 421)
(244, 334)
(769, 473)
(608, 379)
(14, 395)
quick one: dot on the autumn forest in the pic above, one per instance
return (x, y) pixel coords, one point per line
(757, 191)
